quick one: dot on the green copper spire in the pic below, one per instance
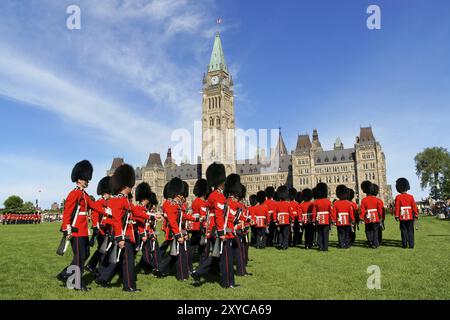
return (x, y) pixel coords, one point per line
(217, 61)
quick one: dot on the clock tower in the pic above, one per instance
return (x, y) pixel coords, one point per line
(218, 140)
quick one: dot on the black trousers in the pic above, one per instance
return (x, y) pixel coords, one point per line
(309, 235)
(297, 236)
(284, 236)
(127, 265)
(181, 261)
(380, 234)
(106, 269)
(246, 246)
(225, 262)
(239, 254)
(260, 238)
(205, 250)
(151, 255)
(163, 247)
(253, 235)
(96, 256)
(344, 236)
(272, 234)
(407, 233)
(80, 249)
(323, 235)
(372, 233)
(195, 237)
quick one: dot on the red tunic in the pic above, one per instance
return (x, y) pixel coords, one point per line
(262, 215)
(85, 203)
(283, 211)
(405, 207)
(272, 205)
(343, 213)
(120, 207)
(306, 211)
(371, 209)
(173, 211)
(198, 209)
(216, 204)
(322, 211)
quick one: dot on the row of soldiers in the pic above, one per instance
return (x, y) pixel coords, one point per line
(284, 216)
(216, 225)
(21, 218)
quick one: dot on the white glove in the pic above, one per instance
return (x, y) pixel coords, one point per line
(108, 211)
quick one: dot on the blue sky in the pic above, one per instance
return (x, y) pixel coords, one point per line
(132, 74)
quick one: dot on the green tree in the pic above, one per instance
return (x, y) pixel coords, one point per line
(13, 202)
(28, 205)
(433, 169)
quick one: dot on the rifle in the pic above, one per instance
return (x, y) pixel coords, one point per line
(123, 232)
(225, 208)
(93, 237)
(64, 243)
(204, 238)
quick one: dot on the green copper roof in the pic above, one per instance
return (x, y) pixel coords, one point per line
(217, 61)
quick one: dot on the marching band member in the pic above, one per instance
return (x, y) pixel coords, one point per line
(406, 212)
(343, 216)
(375, 191)
(322, 216)
(371, 211)
(75, 222)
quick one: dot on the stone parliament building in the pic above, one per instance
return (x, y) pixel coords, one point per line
(302, 168)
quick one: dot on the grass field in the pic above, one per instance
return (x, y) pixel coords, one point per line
(28, 265)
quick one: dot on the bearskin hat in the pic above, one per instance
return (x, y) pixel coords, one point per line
(143, 191)
(270, 192)
(253, 200)
(153, 199)
(292, 193)
(185, 189)
(201, 188)
(351, 194)
(307, 195)
(322, 190)
(165, 191)
(375, 189)
(175, 187)
(298, 197)
(215, 174)
(402, 185)
(342, 192)
(233, 185)
(261, 197)
(366, 186)
(82, 171)
(314, 193)
(124, 176)
(276, 197)
(282, 193)
(103, 186)
(243, 192)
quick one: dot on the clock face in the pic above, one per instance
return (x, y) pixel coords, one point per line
(215, 80)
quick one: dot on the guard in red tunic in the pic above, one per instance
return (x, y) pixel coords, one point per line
(322, 216)
(215, 175)
(99, 231)
(164, 225)
(233, 191)
(123, 210)
(262, 216)
(375, 191)
(294, 232)
(343, 216)
(351, 196)
(177, 234)
(284, 217)
(253, 203)
(244, 224)
(75, 223)
(272, 205)
(371, 212)
(406, 212)
(305, 212)
(199, 209)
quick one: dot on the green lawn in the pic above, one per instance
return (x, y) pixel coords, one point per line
(28, 265)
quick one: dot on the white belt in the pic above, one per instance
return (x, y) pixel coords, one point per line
(343, 214)
(323, 212)
(405, 208)
(82, 213)
(372, 210)
(260, 217)
(280, 213)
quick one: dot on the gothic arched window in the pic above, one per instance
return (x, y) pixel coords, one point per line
(218, 121)
(211, 121)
